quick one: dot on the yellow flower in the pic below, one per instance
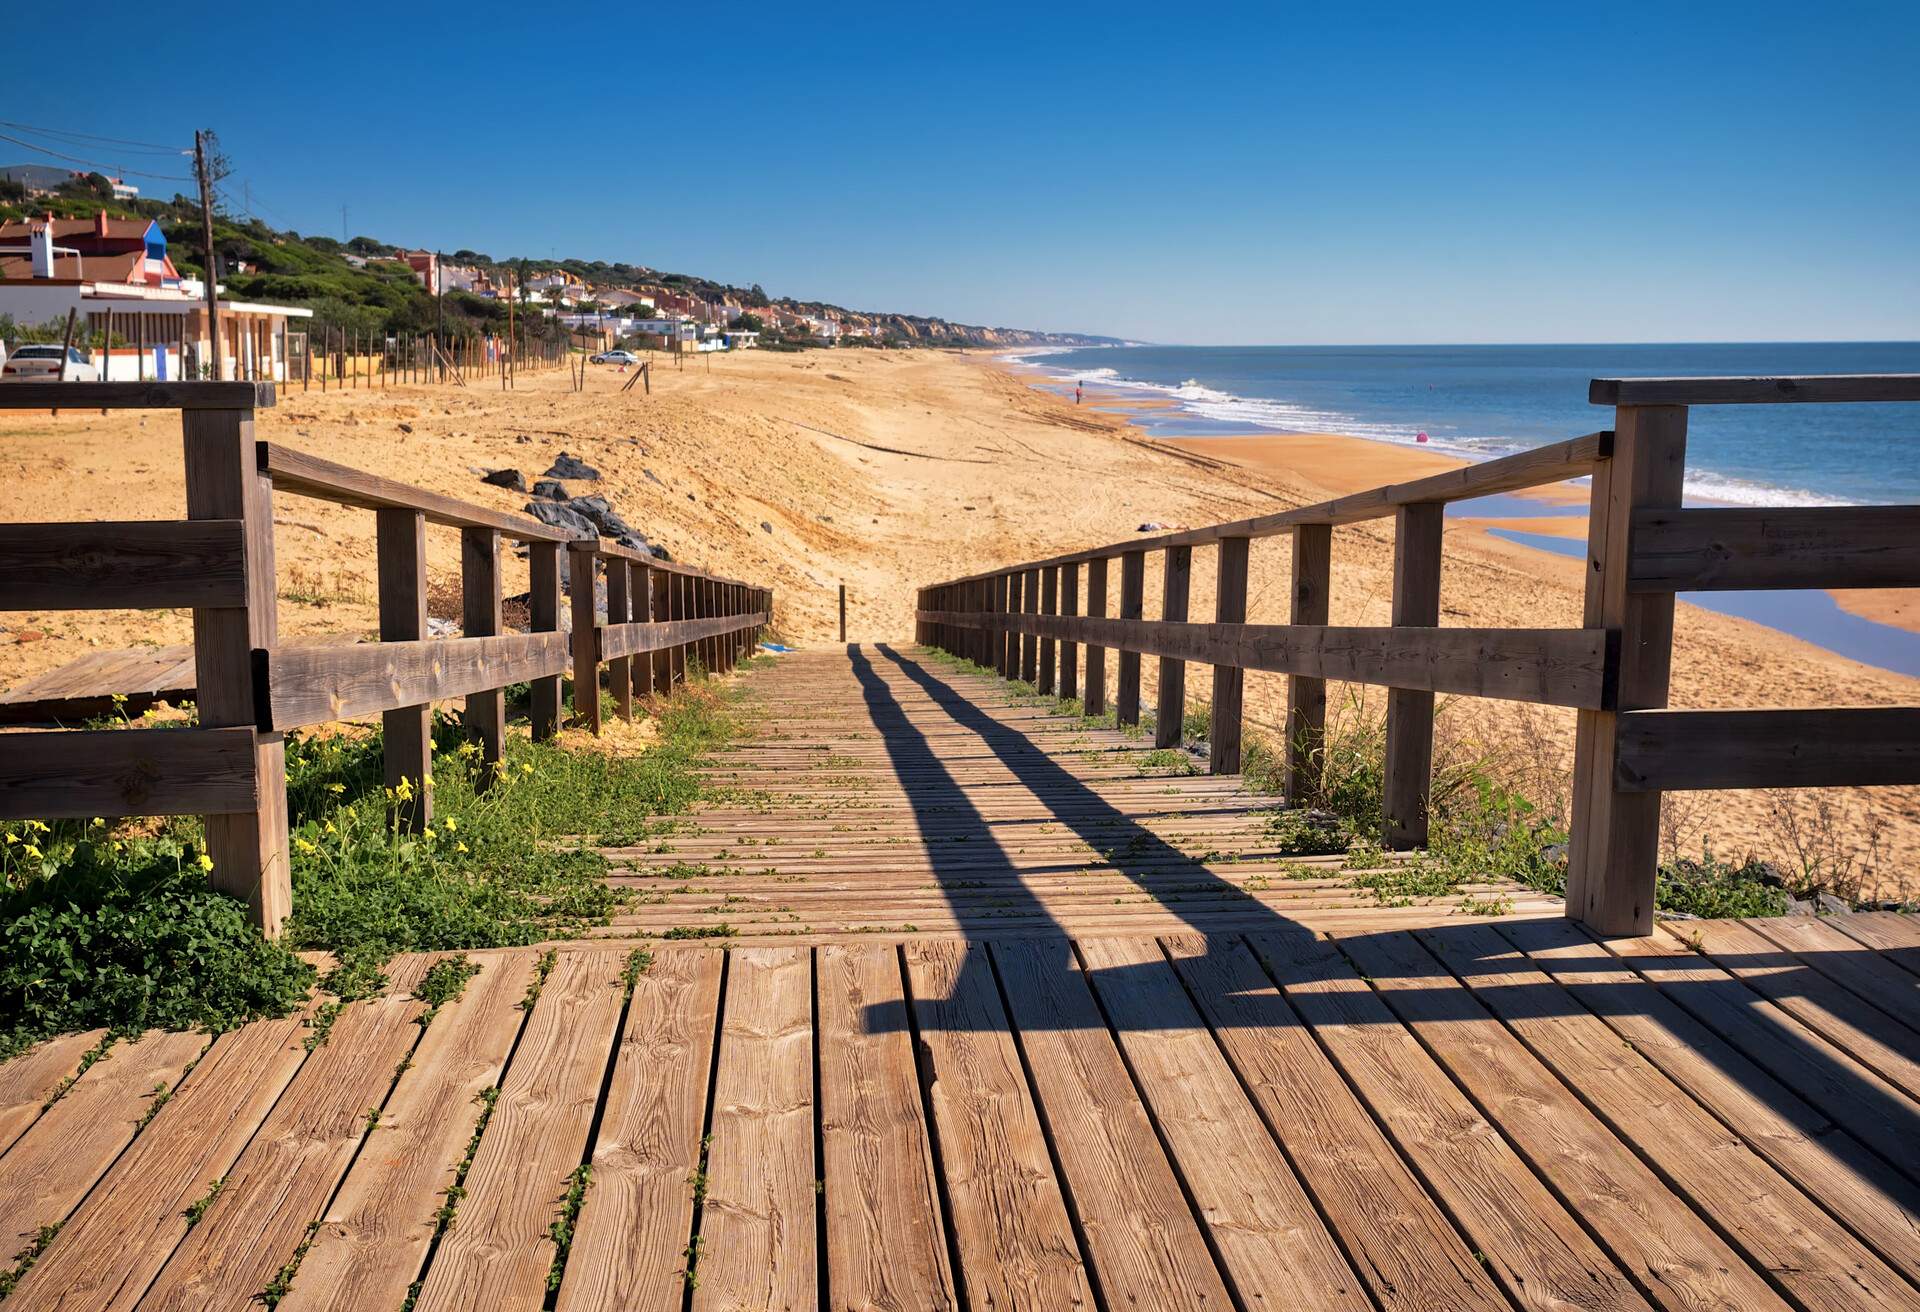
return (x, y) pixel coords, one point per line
(336, 789)
(468, 749)
(459, 847)
(330, 829)
(304, 845)
(38, 826)
(12, 838)
(452, 823)
(31, 850)
(525, 768)
(205, 862)
(98, 823)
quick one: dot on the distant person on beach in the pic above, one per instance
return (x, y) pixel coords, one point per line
(1076, 394)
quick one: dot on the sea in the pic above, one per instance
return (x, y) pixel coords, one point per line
(1479, 402)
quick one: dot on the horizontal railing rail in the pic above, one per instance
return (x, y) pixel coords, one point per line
(1030, 621)
(664, 621)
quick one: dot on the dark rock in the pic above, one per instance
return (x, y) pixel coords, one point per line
(406, 428)
(558, 515)
(1833, 906)
(651, 475)
(550, 489)
(566, 466)
(765, 527)
(606, 520)
(1796, 907)
(523, 439)
(511, 479)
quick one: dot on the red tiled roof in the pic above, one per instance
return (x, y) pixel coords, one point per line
(128, 267)
(95, 226)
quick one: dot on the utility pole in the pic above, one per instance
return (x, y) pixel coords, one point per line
(206, 242)
(440, 312)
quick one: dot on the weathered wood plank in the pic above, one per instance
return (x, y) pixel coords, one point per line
(1840, 958)
(406, 740)
(630, 1246)
(1170, 689)
(1722, 549)
(89, 772)
(499, 1250)
(1666, 751)
(622, 640)
(310, 476)
(485, 714)
(1011, 1230)
(1408, 767)
(314, 685)
(1754, 391)
(757, 1226)
(28, 1080)
(135, 564)
(137, 396)
(886, 1247)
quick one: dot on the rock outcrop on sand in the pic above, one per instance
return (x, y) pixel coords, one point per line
(571, 466)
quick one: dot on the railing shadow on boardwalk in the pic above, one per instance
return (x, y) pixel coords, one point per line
(1414, 970)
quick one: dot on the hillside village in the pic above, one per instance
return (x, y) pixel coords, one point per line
(130, 273)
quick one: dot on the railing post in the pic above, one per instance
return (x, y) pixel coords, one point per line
(1009, 636)
(982, 636)
(1070, 651)
(620, 668)
(1229, 607)
(406, 734)
(640, 605)
(843, 613)
(1170, 692)
(1030, 642)
(1049, 605)
(486, 713)
(1306, 724)
(249, 849)
(660, 610)
(586, 640)
(1094, 701)
(1614, 849)
(1133, 591)
(543, 606)
(1416, 604)
(677, 609)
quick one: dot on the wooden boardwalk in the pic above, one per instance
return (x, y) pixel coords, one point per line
(1149, 1096)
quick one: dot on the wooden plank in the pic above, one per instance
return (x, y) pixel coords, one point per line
(1660, 750)
(1731, 548)
(406, 742)
(1069, 650)
(1170, 690)
(1850, 964)
(1398, 1239)
(109, 1252)
(1230, 607)
(619, 614)
(1305, 727)
(281, 1183)
(1272, 1245)
(1649, 1230)
(886, 1246)
(1556, 667)
(310, 476)
(1858, 1186)
(1014, 1240)
(1095, 700)
(629, 1248)
(137, 396)
(370, 1246)
(1892, 934)
(623, 640)
(499, 1249)
(485, 714)
(1553, 463)
(28, 1080)
(135, 564)
(1762, 1213)
(1747, 391)
(1408, 769)
(1615, 848)
(1049, 605)
(316, 685)
(1133, 586)
(86, 687)
(1143, 1242)
(1029, 640)
(757, 1226)
(248, 849)
(88, 772)
(57, 1161)
(543, 615)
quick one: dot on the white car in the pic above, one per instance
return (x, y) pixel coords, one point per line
(615, 357)
(41, 364)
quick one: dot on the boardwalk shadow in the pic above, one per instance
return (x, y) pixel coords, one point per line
(1462, 973)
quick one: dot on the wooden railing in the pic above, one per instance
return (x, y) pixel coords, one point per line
(1027, 621)
(251, 688)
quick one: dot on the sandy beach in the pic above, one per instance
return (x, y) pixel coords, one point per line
(889, 470)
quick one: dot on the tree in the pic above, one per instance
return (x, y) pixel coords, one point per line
(749, 323)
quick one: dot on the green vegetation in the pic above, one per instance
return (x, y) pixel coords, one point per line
(116, 926)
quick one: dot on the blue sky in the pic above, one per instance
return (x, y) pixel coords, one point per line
(1211, 173)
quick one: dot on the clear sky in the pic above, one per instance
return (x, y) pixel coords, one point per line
(1339, 173)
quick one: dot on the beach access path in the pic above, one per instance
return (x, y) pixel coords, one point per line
(946, 1000)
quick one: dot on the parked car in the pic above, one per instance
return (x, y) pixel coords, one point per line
(614, 357)
(41, 364)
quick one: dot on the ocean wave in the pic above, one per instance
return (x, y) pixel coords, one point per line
(1264, 414)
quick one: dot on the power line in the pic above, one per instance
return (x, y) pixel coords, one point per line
(61, 134)
(94, 163)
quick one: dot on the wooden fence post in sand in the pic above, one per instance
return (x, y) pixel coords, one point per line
(586, 647)
(1070, 651)
(543, 607)
(224, 481)
(486, 712)
(843, 612)
(1049, 605)
(1614, 852)
(407, 733)
(1170, 694)
(1306, 724)
(1133, 589)
(1416, 603)
(1094, 702)
(1229, 681)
